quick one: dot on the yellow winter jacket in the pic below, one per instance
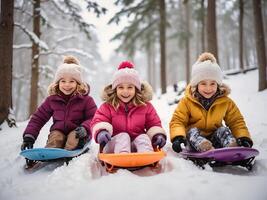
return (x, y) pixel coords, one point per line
(190, 113)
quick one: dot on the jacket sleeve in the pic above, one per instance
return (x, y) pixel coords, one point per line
(179, 120)
(90, 110)
(101, 120)
(235, 121)
(153, 122)
(38, 119)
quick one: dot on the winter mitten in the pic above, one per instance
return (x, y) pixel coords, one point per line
(27, 143)
(176, 143)
(244, 141)
(158, 140)
(81, 132)
(103, 137)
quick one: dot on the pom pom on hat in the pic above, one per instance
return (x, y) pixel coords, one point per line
(126, 64)
(126, 74)
(205, 68)
(70, 67)
(71, 60)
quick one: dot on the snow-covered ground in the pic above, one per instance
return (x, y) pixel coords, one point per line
(179, 179)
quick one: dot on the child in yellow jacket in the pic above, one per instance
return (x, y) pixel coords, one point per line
(201, 114)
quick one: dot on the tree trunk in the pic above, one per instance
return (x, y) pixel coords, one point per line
(154, 67)
(246, 56)
(163, 46)
(35, 57)
(260, 44)
(241, 14)
(187, 41)
(6, 57)
(203, 26)
(211, 29)
(149, 66)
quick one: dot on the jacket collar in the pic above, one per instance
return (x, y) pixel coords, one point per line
(58, 97)
(224, 91)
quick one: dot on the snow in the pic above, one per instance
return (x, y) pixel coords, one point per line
(84, 178)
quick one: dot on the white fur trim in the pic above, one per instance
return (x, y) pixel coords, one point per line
(155, 130)
(102, 125)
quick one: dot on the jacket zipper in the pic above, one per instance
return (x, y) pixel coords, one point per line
(126, 110)
(66, 115)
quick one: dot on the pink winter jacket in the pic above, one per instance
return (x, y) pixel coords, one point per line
(134, 120)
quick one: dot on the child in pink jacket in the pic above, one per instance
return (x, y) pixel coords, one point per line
(126, 122)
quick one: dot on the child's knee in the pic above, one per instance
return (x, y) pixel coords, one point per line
(56, 139)
(142, 143)
(72, 141)
(193, 132)
(122, 143)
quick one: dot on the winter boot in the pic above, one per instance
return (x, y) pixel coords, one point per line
(198, 142)
(224, 137)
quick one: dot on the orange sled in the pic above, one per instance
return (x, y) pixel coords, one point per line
(130, 161)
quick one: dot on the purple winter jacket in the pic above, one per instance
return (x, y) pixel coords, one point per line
(67, 116)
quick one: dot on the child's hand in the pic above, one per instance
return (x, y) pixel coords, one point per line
(177, 142)
(244, 142)
(103, 137)
(81, 132)
(27, 143)
(158, 140)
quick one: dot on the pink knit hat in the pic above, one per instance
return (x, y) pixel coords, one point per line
(70, 67)
(126, 74)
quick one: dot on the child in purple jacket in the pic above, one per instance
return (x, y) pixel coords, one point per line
(126, 122)
(70, 106)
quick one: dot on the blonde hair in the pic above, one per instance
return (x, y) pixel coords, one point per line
(110, 96)
(82, 89)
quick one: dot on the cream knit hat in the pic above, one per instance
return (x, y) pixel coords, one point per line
(70, 67)
(205, 68)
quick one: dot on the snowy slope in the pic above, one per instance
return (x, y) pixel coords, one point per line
(179, 179)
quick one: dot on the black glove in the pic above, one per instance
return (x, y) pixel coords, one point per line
(27, 143)
(176, 143)
(244, 141)
(81, 132)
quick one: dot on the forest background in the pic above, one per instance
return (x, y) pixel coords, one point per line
(162, 37)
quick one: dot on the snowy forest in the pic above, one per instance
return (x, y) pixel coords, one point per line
(163, 38)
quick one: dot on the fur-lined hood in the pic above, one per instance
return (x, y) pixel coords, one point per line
(146, 91)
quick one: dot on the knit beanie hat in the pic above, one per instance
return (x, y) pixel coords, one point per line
(126, 74)
(70, 67)
(206, 67)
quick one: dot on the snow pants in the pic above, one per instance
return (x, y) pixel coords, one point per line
(121, 143)
(57, 139)
(222, 137)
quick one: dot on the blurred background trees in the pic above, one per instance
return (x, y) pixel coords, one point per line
(162, 37)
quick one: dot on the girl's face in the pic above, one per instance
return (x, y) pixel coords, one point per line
(67, 85)
(125, 92)
(207, 88)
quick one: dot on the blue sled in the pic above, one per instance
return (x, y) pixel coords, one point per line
(47, 154)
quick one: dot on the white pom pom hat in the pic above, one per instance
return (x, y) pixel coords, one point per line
(70, 67)
(206, 68)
